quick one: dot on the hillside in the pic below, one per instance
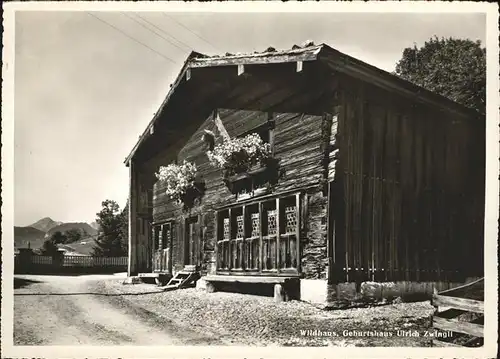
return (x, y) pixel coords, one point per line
(81, 247)
(34, 237)
(45, 224)
(28, 235)
(85, 229)
(94, 225)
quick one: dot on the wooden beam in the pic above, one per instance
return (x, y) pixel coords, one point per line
(249, 279)
(299, 226)
(299, 66)
(476, 330)
(199, 245)
(470, 305)
(169, 249)
(132, 224)
(254, 60)
(230, 242)
(160, 237)
(260, 237)
(217, 240)
(153, 238)
(243, 253)
(278, 233)
(442, 344)
(365, 72)
(241, 69)
(330, 234)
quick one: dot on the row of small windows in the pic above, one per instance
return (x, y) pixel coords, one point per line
(248, 238)
(290, 226)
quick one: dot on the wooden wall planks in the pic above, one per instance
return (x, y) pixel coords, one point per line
(407, 198)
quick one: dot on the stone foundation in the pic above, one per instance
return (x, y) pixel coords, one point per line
(319, 292)
(132, 280)
(314, 291)
(201, 284)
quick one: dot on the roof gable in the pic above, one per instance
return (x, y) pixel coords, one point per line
(335, 59)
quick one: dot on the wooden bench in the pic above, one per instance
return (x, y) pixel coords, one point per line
(283, 286)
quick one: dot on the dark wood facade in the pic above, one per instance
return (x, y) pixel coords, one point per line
(376, 179)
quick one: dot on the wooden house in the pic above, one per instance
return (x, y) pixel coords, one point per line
(374, 179)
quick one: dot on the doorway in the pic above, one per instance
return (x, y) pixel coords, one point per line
(192, 242)
(162, 242)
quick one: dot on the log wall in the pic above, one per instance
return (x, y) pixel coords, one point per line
(297, 145)
(406, 181)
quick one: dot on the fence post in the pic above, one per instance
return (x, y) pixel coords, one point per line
(58, 260)
(25, 260)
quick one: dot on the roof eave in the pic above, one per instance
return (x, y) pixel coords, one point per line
(196, 60)
(353, 67)
(176, 83)
(304, 54)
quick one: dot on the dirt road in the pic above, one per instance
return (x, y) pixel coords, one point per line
(61, 310)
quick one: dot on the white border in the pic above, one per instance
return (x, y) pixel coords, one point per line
(491, 203)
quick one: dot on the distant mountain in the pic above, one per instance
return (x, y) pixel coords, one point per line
(85, 229)
(35, 236)
(45, 224)
(28, 236)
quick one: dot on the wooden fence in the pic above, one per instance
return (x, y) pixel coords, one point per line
(85, 261)
(460, 313)
(41, 260)
(31, 263)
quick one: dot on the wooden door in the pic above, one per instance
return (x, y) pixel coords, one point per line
(162, 240)
(192, 242)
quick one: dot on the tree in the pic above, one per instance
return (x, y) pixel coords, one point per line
(124, 228)
(58, 238)
(453, 68)
(73, 235)
(110, 241)
(49, 247)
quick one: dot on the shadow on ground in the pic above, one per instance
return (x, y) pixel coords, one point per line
(83, 293)
(69, 273)
(22, 282)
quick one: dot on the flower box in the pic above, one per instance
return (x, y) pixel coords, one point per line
(254, 182)
(238, 155)
(255, 170)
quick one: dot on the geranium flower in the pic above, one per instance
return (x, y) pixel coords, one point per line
(178, 178)
(239, 153)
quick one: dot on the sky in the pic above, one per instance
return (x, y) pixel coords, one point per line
(88, 83)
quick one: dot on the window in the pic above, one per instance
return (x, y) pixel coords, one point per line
(258, 182)
(162, 236)
(259, 237)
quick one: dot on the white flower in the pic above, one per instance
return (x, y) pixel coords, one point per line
(177, 178)
(250, 149)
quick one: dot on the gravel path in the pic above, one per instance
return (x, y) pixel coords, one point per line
(244, 319)
(64, 310)
(100, 310)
